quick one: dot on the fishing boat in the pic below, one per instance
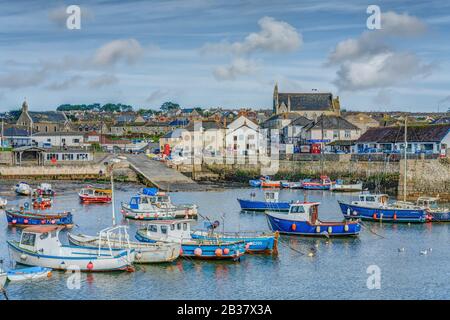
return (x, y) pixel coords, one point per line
(270, 202)
(3, 203)
(95, 195)
(41, 202)
(435, 212)
(23, 189)
(31, 273)
(340, 186)
(267, 182)
(376, 207)
(140, 207)
(40, 246)
(302, 219)
(179, 231)
(118, 237)
(161, 200)
(254, 242)
(255, 183)
(21, 218)
(324, 183)
(44, 190)
(295, 185)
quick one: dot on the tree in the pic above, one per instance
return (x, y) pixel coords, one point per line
(168, 106)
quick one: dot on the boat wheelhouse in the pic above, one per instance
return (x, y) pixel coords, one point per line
(376, 207)
(140, 207)
(271, 202)
(40, 246)
(95, 195)
(431, 205)
(303, 220)
(179, 231)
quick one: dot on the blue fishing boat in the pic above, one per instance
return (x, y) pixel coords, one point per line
(254, 242)
(302, 220)
(435, 212)
(30, 273)
(255, 183)
(21, 218)
(376, 207)
(179, 231)
(270, 203)
(324, 183)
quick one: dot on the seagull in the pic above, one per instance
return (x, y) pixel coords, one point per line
(423, 252)
(310, 254)
(401, 249)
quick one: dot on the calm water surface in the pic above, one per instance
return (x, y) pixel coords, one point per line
(337, 271)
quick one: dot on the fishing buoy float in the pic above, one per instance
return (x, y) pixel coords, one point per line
(23, 257)
(226, 251)
(346, 228)
(181, 251)
(294, 227)
(247, 246)
(218, 252)
(330, 230)
(90, 266)
(198, 252)
(318, 229)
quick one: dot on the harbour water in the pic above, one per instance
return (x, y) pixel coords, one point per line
(337, 269)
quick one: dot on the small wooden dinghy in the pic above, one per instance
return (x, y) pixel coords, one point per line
(32, 273)
(21, 218)
(40, 246)
(178, 231)
(118, 237)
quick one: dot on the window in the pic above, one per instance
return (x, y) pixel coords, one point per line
(152, 228)
(76, 140)
(347, 134)
(44, 236)
(164, 229)
(179, 226)
(184, 226)
(335, 134)
(370, 199)
(172, 227)
(28, 239)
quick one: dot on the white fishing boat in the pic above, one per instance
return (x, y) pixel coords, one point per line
(140, 207)
(3, 203)
(44, 189)
(162, 201)
(23, 188)
(26, 274)
(340, 186)
(40, 246)
(119, 239)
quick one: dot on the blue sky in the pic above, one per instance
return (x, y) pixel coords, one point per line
(225, 53)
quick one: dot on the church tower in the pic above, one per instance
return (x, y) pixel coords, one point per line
(275, 99)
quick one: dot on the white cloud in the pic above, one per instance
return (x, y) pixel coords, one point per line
(369, 62)
(128, 50)
(236, 68)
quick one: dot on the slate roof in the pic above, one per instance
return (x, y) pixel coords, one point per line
(307, 101)
(179, 122)
(429, 133)
(47, 116)
(301, 121)
(173, 134)
(331, 123)
(15, 132)
(207, 125)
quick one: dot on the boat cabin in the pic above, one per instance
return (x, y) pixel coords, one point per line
(372, 199)
(271, 196)
(140, 202)
(305, 211)
(42, 239)
(428, 202)
(170, 230)
(95, 192)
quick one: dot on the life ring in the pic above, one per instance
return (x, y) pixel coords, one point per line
(26, 205)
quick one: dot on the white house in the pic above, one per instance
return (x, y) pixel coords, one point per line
(243, 137)
(58, 139)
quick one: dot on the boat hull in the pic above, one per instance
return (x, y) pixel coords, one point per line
(253, 244)
(80, 261)
(443, 216)
(251, 205)
(346, 187)
(208, 250)
(315, 186)
(135, 214)
(304, 228)
(383, 214)
(94, 199)
(143, 252)
(32, 273)
(255, 183)
(18, 219)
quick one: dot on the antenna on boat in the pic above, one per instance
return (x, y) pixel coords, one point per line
(112, 197)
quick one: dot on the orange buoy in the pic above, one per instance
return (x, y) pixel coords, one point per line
(294, 227)
(226, 251)
(374, 216)
(395, 216)
(90, 266)
(218, 252)
(198, 252)
(181, 251)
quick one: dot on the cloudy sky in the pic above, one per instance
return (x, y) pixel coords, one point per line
(227, 53)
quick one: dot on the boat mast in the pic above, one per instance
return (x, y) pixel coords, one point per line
(405, 166)
(112, 197)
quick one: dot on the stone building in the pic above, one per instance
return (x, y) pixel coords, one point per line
(48, 121)
(310, 105)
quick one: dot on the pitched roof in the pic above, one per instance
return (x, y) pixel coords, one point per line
(47, 116)
(15, 132)
(331, 123)
(429, 133)
(307, 101)
(206, 125)
(301, 121)
(173, 134)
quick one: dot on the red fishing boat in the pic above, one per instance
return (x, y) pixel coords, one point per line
(95, 195)
(42, 203)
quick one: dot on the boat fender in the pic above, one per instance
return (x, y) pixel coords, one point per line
(90, 266)
(23, 257)
(181, 251)
(395, 216)
(49, 274)
(42, 221)
(25, 221)
(381, 216)
(53, 221)
(330, 230)
(247, 246)
(14, 221)
(198, 252)
(138, 256)
(218, 252)
(355, 213)
(294, 227)
(374, 216)
(346, 228)
(226, 251)
(318, 229)
(348, 211)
